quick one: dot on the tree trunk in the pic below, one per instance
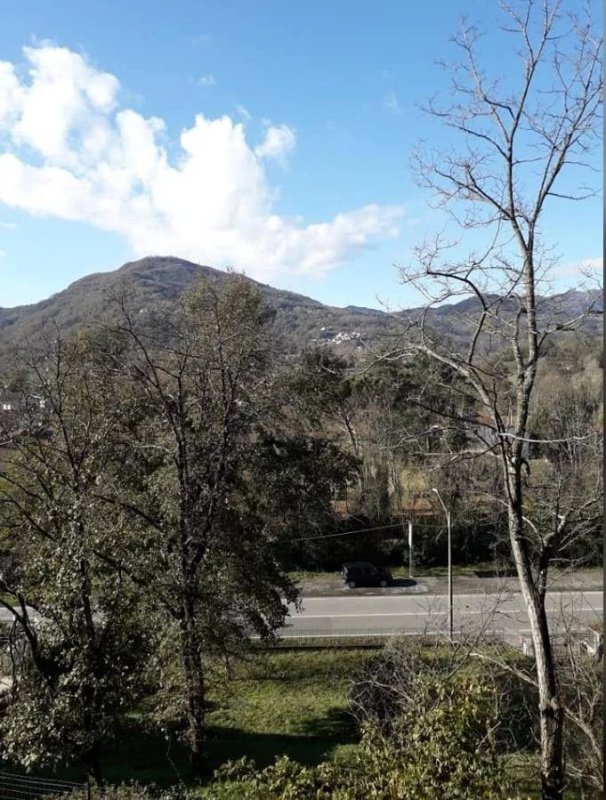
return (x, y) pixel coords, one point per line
(194, 680)
(92, 761)
(550, 707)
(92, 694)
(551, 713)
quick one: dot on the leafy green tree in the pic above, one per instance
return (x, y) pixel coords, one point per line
(218, 473)
(134, 791)
(76, 663)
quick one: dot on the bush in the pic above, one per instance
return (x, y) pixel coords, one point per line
(440, 746)
(387, 686)
(134, 791)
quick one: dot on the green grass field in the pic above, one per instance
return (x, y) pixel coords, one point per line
(277, 702)
(291, 702)
(402, 571)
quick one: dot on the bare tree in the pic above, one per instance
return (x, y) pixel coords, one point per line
(525, 141)
(580, 673)
(578, 656)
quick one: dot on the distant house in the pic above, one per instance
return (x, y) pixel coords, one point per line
(414, 508)
(9, 414)
(419, 507)
(485, 429)
(35, 402)
(19, 411)
(9, 402)
(340, 509)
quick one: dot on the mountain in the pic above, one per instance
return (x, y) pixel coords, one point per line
(299, 320)
(154, 281)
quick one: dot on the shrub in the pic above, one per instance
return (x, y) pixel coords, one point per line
(440, 746)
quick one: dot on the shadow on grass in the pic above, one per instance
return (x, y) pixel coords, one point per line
(229, 744)
(320, 736)
(148, 756)
(337, 725)
(135, 754)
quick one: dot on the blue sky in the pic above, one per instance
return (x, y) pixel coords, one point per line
(271, 136)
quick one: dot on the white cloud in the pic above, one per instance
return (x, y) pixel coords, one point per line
(201, 39)
(208, 80)
(63, 97)
(587, 266)
(278, 142)
(243, 112)
(69, 150)
(392, 103)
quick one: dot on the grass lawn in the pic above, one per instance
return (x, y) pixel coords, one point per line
(402, 571)
(434, 572)
(292, 702)
(457, 569)
(277, 702)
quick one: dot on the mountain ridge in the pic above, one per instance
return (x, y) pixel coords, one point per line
(299, 320)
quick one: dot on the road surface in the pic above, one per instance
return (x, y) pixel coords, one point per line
(502, 614)
(413, 614)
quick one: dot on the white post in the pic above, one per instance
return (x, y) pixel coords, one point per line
(409, 549)
(450, 603)
(450, 599)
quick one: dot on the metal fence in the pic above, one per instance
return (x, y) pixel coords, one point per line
(14, 786)
(318, 637)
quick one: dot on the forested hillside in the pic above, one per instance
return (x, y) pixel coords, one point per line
(152, 283)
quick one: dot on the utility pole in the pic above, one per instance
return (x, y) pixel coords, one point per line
(409, 548)
(448, 526)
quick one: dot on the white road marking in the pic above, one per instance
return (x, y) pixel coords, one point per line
(422, 613)
(420, 597)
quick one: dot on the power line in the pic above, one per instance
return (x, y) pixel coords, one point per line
(378, 528)
(346, 533)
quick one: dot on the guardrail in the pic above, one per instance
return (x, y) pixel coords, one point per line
(14, 786)
(590, 643)
(318, 636)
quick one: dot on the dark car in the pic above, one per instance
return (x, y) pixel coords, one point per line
(363, 573)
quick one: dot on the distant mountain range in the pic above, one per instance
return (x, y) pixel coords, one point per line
(299, 320)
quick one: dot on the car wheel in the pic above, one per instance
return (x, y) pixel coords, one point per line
(351, 584)
(383, 584)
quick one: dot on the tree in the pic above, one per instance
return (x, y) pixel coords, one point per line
(522, 151)
(378, 412)
(75, 662)
(134, 791)
(218, 475)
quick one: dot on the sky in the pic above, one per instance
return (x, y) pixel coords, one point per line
(272, 137)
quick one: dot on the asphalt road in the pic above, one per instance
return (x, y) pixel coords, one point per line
(502, 613)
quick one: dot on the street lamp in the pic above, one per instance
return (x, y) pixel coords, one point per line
(447, 512)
